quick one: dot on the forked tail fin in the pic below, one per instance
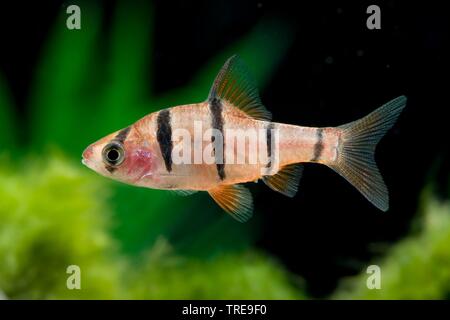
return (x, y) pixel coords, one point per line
(355, 160)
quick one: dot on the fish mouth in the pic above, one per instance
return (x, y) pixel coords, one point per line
(87, 153)
(86, 163)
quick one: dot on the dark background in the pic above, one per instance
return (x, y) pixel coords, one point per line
(335, 72)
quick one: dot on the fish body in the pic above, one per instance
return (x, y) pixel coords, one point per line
(227, 140)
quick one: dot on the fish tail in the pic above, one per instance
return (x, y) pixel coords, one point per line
(355, 159)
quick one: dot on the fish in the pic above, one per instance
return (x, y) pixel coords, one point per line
(158, 151)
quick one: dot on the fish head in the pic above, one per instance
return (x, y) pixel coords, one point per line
(123, 156)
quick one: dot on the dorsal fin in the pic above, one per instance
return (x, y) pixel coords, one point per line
(286, 180)
(234, 85)
(235, 200)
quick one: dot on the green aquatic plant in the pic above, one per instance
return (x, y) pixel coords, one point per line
(418, 267)
(245, 275)
(54, 214)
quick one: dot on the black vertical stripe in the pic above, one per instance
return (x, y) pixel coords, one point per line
(318, 147)
(269, 143)
(120, 139)
(122, 135)
(110, 168)
(164, 137)
(215, 106)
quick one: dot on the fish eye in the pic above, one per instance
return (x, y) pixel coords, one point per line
(113, 154)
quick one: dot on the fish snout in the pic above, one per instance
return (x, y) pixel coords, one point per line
(87, 155)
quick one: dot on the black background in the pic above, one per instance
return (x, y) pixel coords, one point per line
(336, 71)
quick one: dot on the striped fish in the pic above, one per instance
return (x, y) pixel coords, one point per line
(147, 152)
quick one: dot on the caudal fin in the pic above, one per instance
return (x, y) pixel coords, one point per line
(355, 160)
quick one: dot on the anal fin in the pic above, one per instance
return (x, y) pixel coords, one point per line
(183, 192)
(286, 180)
(235, 200)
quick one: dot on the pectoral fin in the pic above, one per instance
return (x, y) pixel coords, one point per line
(235, 200)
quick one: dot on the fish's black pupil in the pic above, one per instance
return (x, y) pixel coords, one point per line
(113, 155)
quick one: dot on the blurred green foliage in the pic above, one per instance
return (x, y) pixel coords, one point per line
(242, 275)
(417, 267)
(54, 214)
(8, 132)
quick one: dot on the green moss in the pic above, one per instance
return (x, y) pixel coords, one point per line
(247, 275)
(415, 268)
(54, 214)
